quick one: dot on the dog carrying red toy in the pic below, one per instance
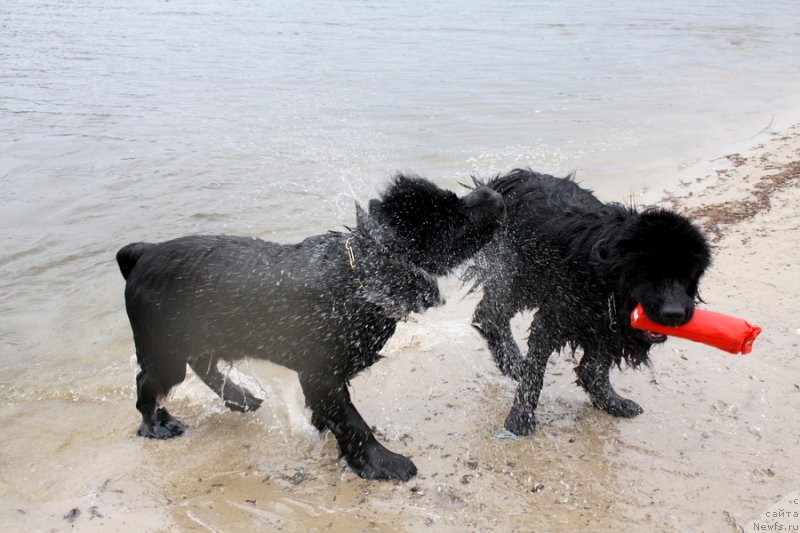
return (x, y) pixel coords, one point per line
(729, 333)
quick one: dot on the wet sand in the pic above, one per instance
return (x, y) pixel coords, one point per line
(717, 444)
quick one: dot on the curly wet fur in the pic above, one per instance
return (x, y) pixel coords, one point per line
(582, 265)
(323, 307)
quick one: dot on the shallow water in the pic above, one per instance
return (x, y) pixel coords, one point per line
(126, 121)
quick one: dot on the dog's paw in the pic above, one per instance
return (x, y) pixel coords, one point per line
(520, 422)
(161, 426)
(376, 462)
(247, 403)
(621, 407)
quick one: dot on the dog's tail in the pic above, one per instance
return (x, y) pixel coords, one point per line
(128, 256)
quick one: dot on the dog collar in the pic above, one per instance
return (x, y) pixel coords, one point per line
(351, 256)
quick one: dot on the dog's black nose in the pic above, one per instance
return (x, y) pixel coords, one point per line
(674, 314)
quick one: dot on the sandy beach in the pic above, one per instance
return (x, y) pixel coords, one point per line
(716, 446)
(144, 121)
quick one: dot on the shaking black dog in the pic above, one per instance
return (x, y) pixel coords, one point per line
(582, 265)
(323, 307)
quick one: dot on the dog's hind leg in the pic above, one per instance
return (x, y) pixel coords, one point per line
(593, 375)
(327, 396)
(492, 319)
(236, 397)
(157, 423)
(542, 342)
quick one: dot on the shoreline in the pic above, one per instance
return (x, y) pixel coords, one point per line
(750, 177)
(713, 449)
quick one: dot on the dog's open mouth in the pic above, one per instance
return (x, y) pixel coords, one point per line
(654, 338)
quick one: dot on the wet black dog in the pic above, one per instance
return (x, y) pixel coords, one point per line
(582, 265)
(323, 307)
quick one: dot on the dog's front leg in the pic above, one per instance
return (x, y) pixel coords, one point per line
(492, 319)
(330, 404)
(541, 343)
(593, 376)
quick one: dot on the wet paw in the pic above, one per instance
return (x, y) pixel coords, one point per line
(161, 426)
(377, 462)
(520, 422)
(243, 403)
(621, 407)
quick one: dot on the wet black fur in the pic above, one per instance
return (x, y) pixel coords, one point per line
(323, 307)
(582, 265)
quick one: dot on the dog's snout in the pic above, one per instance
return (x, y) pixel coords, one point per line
(487, 201)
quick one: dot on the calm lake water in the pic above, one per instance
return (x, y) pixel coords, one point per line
(124, 121)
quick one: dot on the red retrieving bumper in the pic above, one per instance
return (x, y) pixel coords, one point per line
(729, 333)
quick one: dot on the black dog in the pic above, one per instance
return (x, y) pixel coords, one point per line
(582, 265)
(323, 307)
